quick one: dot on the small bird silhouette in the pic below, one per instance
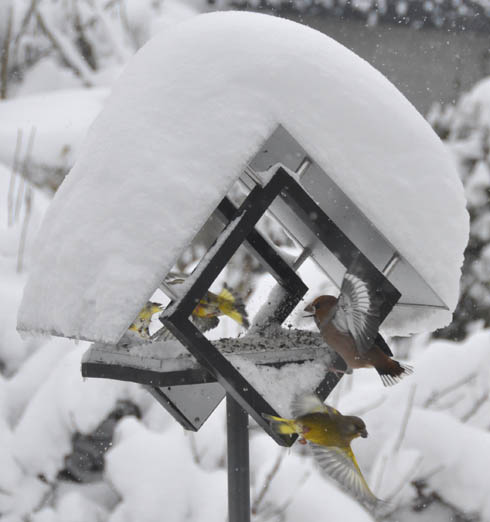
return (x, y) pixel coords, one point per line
(141, 325)
(349, 324)
(330, 435)
(206, 314)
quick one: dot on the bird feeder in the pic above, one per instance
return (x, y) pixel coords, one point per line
(140, 193)
(191, 386)
(282, 179)
(278, 189)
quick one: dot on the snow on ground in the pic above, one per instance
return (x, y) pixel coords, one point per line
(172, 124)
(59, 119)
(45, 76)
(446, 438)
(13, 191)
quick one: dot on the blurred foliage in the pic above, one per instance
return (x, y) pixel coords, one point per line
(466, 131)
(85, 37)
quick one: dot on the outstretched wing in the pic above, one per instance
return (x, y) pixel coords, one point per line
(310, 403)
(357, 312)
(341, 465)
(205, 323)
(232, 305)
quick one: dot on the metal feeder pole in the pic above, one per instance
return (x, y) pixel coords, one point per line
(238, 462)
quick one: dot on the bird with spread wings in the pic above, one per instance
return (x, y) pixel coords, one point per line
(329, 435)
(349, 324)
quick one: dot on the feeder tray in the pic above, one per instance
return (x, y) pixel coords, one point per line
(166, 373)
(150, 363)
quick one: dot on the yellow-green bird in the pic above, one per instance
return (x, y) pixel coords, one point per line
(330, 435)
(141, 325)
(206, 314)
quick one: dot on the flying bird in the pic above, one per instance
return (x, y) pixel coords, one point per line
(329, 434)
(141, 325)
(349, 324)
(206, 314)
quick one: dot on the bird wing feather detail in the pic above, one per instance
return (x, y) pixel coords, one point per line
(205, 323)
(356, 313)
(341, 465)
(310, 403)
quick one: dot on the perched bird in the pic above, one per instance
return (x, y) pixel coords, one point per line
(141, 325)
(349, 324)
(206, 314)
(330, 434)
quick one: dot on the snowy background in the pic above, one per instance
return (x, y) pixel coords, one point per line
(106, 451)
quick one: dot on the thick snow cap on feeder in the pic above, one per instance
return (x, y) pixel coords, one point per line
(192, 108)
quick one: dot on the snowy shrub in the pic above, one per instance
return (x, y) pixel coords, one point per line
(466, 129)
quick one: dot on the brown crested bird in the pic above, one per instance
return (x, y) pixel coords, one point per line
(329, 434)
(349, 324)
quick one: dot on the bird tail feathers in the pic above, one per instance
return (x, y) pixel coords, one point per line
(393, 372)
(280, 425)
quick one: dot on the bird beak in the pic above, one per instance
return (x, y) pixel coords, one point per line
(310, 309)
(364, 433)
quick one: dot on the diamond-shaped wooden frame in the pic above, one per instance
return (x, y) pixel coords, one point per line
(177, 316)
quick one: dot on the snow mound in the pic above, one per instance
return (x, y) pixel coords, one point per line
(188, 113)
(59, 120)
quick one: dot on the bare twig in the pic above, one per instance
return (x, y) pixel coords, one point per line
(20, 195)
(69, 56)
(435, 396)
(24, 24)
(382, 467)
(23, 234)
(474, 409)
(123, 14)
(406, 418)
(407, 477)
(5, 54)
(195, 452)
(13, 174)
(117, 44)
(267, 482)
(83, 43)
(399, 439)
(24, 173)
(450, 403)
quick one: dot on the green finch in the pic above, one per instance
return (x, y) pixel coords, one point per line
(211, 306)
(141, 325)
(205, 316)
(330, 435)
(349, 324)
